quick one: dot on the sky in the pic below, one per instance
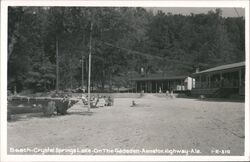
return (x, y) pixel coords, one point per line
(226, 12)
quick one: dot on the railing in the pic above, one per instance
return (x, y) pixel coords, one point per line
(217, 84)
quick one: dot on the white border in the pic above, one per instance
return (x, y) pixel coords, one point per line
(4, 9)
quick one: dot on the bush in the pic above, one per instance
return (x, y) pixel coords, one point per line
(62, 106)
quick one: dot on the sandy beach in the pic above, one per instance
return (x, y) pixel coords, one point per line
(154, 123)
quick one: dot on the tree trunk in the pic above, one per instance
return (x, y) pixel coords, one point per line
(103, 85)
(11, 46)
(110, 84)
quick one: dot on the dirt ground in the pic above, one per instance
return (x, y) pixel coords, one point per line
(199, 126)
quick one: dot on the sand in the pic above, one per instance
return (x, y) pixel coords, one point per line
(154, 123)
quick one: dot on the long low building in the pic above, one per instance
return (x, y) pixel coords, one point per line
(162, 84)
(220, 81)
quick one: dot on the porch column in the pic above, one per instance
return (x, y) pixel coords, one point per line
(141, 87)
(155, 87)
(191, 83)
(221, 79)
(239, 77)
(200, 82)
(131, 86)
(209, 81)
(151, 86)
(135, 87)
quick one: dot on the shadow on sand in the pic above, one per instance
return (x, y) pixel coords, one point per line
(28, 116)
(85, 113)
(221, 100)
(242, 100)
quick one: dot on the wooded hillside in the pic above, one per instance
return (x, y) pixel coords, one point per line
(124, 40)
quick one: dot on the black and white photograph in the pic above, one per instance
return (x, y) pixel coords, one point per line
(126, 81)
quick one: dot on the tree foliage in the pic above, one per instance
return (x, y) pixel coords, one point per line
(124, 40)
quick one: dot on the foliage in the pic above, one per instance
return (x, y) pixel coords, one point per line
(124, 40)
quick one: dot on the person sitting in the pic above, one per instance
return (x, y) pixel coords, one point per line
(106, 100)
(110, 101)
(133, 104)
(94, 102)
(101, 102)
(84, 100)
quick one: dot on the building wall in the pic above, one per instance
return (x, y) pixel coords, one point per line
(226, 79)
(155, 86)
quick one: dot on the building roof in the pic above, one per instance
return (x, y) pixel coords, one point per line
(222, 67)
(160, 78)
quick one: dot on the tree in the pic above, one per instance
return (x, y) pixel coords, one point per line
(125, 39)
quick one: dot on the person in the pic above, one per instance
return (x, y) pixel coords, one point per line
(167, 93)
(133, 104)
(65, 105)
(142, 93)
(172, 93)
(94, 102)
(106, 100)
(160, 90)
(101, 102)
(84, 99)
(110, 101)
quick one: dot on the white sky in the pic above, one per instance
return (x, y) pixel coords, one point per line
(226, 12)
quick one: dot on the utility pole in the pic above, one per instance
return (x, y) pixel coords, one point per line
(57, 67)
(83, 72)
(82, 61)
(90, 48)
